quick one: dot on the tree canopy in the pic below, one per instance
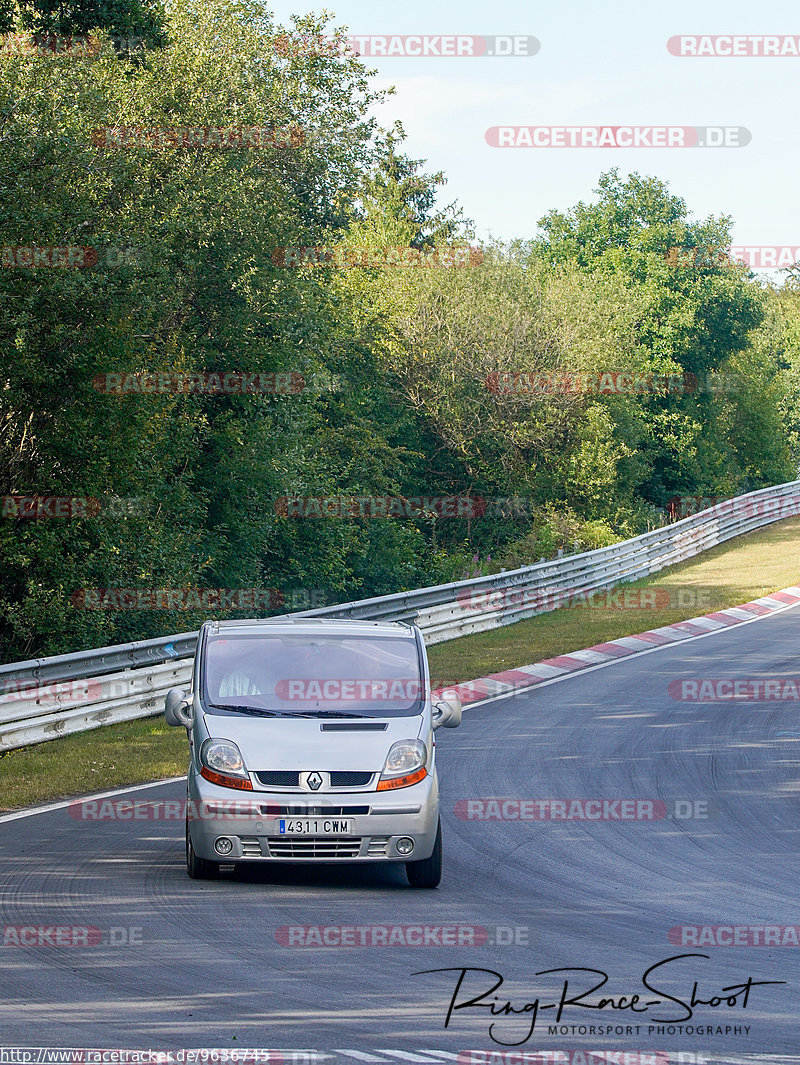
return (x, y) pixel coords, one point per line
(154, 206)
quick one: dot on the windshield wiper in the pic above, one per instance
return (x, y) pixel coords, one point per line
(327, 713)
(257, 710)
(262, 712)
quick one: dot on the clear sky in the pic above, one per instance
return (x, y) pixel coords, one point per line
(599, 64)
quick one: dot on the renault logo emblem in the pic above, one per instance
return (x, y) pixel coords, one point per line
(314, 781)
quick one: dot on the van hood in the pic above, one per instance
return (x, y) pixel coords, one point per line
(300, 743)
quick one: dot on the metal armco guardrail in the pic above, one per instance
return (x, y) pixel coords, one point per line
(50, 697)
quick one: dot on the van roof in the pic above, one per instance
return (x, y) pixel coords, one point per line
(311, 626)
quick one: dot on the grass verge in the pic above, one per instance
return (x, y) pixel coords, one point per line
(139, 751)
(104, 758)
(735, 572)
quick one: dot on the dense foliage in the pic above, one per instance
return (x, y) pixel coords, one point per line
(184, 273)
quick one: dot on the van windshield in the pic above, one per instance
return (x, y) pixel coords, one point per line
(312, 675)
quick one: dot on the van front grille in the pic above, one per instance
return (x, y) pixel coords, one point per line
(279, 778)
(350, 780)
(290, 778)
(377, 847)
(320, 847)
(251, 846)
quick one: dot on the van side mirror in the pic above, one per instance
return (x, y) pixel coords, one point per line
(447, 710)
(178, 708)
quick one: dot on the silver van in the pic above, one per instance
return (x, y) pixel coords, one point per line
(312, 741)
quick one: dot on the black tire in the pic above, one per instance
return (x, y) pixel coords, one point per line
(198, 868)
(428, 872)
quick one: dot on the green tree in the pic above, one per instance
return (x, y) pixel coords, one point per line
(122, 19)
(699, 313)
(186, 280)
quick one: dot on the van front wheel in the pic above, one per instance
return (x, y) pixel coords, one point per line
(198, 868)
(428, 872)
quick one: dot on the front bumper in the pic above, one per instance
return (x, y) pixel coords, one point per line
(249, 819)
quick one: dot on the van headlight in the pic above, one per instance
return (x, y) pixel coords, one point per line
(405, 765)
(221, 762)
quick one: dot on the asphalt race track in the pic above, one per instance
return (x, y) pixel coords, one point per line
(205, 964)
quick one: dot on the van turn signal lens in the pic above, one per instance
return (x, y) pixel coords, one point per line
(402, 782)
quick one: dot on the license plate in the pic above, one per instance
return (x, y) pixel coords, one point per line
(315, 826)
